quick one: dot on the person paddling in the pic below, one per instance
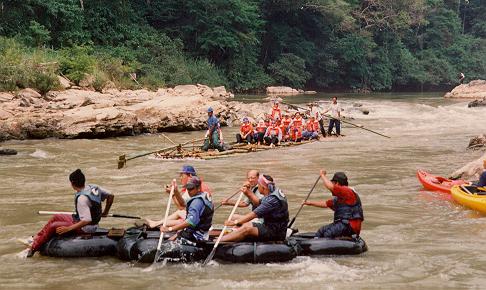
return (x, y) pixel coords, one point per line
(273, 209)
(199, 217)
(335, 119)
(180, 198)
(348, 212)
(252, 200)
(88, 212)
(214, 135)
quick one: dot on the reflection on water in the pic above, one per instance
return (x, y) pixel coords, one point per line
(416, 238)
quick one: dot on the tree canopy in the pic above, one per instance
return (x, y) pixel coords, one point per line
(248, 44)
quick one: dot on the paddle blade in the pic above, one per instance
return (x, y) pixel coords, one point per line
(121, 161)
(210, 257)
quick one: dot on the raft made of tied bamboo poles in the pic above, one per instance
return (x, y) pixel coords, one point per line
(339, 119)
(188, 152)
(122, 159)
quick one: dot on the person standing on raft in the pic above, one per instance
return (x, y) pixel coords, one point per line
(88, 213)
(348, 212)
(273, 208)
(214, 135)
(335, 119)
(199, 217)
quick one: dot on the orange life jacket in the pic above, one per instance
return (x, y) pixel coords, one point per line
(312, 126)
(260, 129)
(273, 130)
(286, 121)
(276, 111)
(297, 122)
(245, 128)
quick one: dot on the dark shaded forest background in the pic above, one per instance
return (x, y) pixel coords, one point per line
(246, 45)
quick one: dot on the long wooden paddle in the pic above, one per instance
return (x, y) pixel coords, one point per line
(233, 195)
(46, 212)
(302, 205)
(161, 238)
(357, 126)
(211, 255)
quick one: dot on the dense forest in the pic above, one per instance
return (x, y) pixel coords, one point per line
(245, 45)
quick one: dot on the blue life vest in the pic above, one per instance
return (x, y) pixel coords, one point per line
(280, 214)
(91, 192)
(205, 220)
(344, 212)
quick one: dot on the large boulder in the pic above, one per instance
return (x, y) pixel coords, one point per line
(477, 103)
(477, 142)
(186, 90)
(473, 90)
(6, 97)
(6, 151)
(285, 91)
(470, 171)
(64, 82)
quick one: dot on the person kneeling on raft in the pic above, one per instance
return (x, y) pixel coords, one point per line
(273, 209)
(348, 212)
(199, 217)
(179, 198)
(251, 200)
(87, 203)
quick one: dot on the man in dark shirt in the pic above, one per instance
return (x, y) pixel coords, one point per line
(273, 208)
(214, 135)
(482, 177)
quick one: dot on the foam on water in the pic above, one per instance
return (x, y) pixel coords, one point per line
(38, 153)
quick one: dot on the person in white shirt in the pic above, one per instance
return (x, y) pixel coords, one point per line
(335, 116)
(315, 112)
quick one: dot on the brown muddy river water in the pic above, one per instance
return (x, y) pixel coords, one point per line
(416, 239)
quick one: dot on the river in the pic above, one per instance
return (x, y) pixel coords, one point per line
(416, 239)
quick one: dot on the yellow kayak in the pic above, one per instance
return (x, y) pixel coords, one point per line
(472, 197)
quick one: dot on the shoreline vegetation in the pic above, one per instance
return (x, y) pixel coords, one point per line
(246, 46)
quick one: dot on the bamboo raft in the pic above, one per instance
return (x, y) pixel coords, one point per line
(195, 152)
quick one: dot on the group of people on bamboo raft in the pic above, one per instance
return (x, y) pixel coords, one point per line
(278, 126)
(266, 220)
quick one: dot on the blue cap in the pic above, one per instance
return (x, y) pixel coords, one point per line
(245, 119)
(210, 110)
(188, 169)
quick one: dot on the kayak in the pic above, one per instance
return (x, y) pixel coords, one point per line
(437, 183)
(472, 197)
(101, 243)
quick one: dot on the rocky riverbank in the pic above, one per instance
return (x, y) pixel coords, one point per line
(77, 113)
(473, 90)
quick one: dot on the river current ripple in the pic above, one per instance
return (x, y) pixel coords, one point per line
(416, 239)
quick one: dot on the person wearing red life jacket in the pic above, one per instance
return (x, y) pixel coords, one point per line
(259, 132)
(273, 135)
(296, 128)
(246, 132)
(276, 112)
(311, 129)
(346, 204)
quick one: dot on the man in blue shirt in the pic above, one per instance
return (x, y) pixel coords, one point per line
(199, 216)
(273, 208)
(214, 136)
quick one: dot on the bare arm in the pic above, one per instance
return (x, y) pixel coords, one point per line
(109, 201)
(246, 218)
(327, 183)
(320, 203)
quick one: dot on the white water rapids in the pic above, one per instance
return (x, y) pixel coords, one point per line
(416, 239)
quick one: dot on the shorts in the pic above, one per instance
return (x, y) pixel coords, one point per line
(271, 232)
